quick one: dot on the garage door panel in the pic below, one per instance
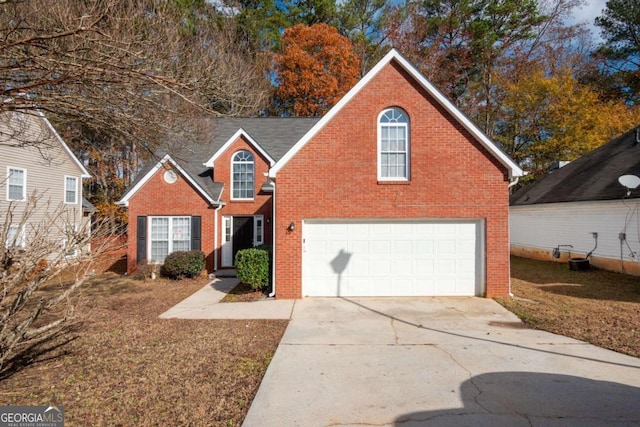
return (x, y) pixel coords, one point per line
(424, 247)
(382, 258)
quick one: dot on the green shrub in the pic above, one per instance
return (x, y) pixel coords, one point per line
(181, 264)
(252, 267)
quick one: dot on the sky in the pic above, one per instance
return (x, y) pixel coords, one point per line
(588, 13)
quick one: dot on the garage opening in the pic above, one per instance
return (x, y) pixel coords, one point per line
(393, 258)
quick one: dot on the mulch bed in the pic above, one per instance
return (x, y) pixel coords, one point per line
(599, 307)
(125, 366)
(244, 293)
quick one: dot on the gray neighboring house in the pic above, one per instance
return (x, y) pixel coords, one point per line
(571, 204)
(39, 171)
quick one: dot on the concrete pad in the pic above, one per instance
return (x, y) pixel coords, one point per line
(205, 304)
(437, 361)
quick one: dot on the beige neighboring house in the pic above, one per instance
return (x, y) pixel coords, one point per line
(40, 182)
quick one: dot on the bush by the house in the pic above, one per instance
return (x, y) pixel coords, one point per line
(181, 264)
(252, 267)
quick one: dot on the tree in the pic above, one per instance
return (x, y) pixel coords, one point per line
(620, 25)
(260, 23)
(459, 44)
(134, 68)
(316, 67)
(35, 309)
(120, 77)
(117, 77)
(362, 21)
(548, 118)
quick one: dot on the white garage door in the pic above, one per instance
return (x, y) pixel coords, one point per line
(408, 258)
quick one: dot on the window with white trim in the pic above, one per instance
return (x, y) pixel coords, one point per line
(393, 145)
(15, 237)
(242, 179)
(258, 232)
(70, 189)
(16, 184)
(168, 234)
(70, 240)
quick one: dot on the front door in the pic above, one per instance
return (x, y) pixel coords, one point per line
(242, 233)
(239, 233)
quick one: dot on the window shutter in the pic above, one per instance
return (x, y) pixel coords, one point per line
(141, 242)
(196, 240)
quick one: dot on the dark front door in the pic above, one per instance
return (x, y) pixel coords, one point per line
(242, 233)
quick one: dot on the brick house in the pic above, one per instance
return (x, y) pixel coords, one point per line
(394, 192)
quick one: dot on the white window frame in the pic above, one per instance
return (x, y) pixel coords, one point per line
(170, 237)
(24, 183)
(235, 162)
(75, 190)
(397, 114)
(74, 251)
(258, 230)
(11, 235)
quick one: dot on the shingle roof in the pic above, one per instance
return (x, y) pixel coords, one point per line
(276, 135)
(593, 176)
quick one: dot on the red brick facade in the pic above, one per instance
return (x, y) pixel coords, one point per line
(335, 176)
(158, 198)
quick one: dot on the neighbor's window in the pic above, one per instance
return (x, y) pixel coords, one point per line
(169, 234)
(70, 189)
(242, 181)
(16, 184)
(15, 237)
(393, 145)
(70, 240)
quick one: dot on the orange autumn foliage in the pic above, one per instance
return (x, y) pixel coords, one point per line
(315, 68)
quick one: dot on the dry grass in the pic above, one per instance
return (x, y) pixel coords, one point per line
(128, 367)
(600, 307)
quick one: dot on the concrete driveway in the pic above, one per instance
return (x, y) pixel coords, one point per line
(437, 361)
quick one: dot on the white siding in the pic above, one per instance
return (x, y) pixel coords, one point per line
(27, 142)
(549, 225)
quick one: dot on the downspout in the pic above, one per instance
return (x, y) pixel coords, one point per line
(513, 182)
(215, 237)
(273, 243)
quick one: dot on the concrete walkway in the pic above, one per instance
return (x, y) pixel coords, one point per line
(204, 305)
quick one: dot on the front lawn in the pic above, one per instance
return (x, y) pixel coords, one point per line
(600, 307)
(128, 367)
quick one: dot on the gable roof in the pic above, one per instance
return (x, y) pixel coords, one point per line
(593, 176)
(239, 134)
(35, 115)
(209, 190)
(271, 136)
(394, 55)
(85, 173)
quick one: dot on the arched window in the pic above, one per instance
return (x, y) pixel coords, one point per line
(242, 179)
(393, 145)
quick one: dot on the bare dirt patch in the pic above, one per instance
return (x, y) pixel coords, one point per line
(125, 366)
(600, 307)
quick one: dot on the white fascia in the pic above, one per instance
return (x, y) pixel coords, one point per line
(394, 55)
(240, 133)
